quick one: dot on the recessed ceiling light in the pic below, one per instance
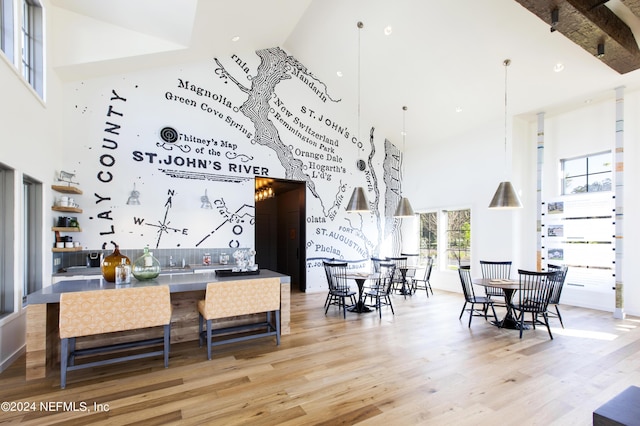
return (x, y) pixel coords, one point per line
(388, 30)
(588, 101)
(339, 73)
(235, 38)
(458, 109)
(558, 67)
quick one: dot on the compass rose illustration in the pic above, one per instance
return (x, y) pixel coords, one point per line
(163, 226)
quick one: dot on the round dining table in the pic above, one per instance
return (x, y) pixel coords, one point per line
(508, 287)
(360, 278)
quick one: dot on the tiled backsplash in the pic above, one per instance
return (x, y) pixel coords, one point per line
(190, 256)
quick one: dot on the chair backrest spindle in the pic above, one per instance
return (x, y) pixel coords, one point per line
(465, 279)
(401, 262)
(561, 276)
(428, 269)
(387, 272)
(375, 262)
(535, 290)
(496, 270)
(336, 276)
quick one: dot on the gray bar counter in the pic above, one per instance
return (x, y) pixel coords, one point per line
(180, 281)
(186, 289)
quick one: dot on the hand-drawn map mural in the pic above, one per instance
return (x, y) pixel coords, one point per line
(168, 157)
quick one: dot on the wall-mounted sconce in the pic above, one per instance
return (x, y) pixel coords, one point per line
(600, 51)
(134, 197)
(555, 13)
(204, 200)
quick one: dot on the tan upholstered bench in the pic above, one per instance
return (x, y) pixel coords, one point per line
(87, 313)
(226, 299)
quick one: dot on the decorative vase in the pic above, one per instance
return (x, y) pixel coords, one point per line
(241, 261)
(123, 272)
(146, 267)
(110, 262)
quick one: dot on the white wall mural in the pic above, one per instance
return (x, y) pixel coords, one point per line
(186, 142)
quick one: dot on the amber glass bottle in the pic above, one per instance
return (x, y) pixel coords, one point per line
(110, 262)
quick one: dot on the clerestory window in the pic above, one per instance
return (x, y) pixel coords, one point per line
(6, 28)
(590, 173)
(32, 45)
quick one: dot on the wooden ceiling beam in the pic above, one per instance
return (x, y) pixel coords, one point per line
(589, 23)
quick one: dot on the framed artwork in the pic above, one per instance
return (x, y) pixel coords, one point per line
(555, 230)
(556, 207)
(556, 254)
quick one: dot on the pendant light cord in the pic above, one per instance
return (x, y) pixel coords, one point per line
(404, 135)
(506, 64)
(358, 202)
(360, 26)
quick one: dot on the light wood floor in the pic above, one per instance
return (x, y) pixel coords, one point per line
(421, 366)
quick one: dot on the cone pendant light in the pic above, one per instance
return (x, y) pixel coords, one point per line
(358, 202)
(404, 208)
(506, 196)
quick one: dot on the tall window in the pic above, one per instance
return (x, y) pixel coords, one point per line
(428, 235)
(446, 235)
(32, 256)
(591, 173)
(458, 238)
(32, 45)
(6, 28)
(7, 291)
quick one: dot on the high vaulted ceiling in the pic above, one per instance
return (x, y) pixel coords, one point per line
(442, 59)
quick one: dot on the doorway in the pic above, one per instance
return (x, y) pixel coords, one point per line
(280, 229)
